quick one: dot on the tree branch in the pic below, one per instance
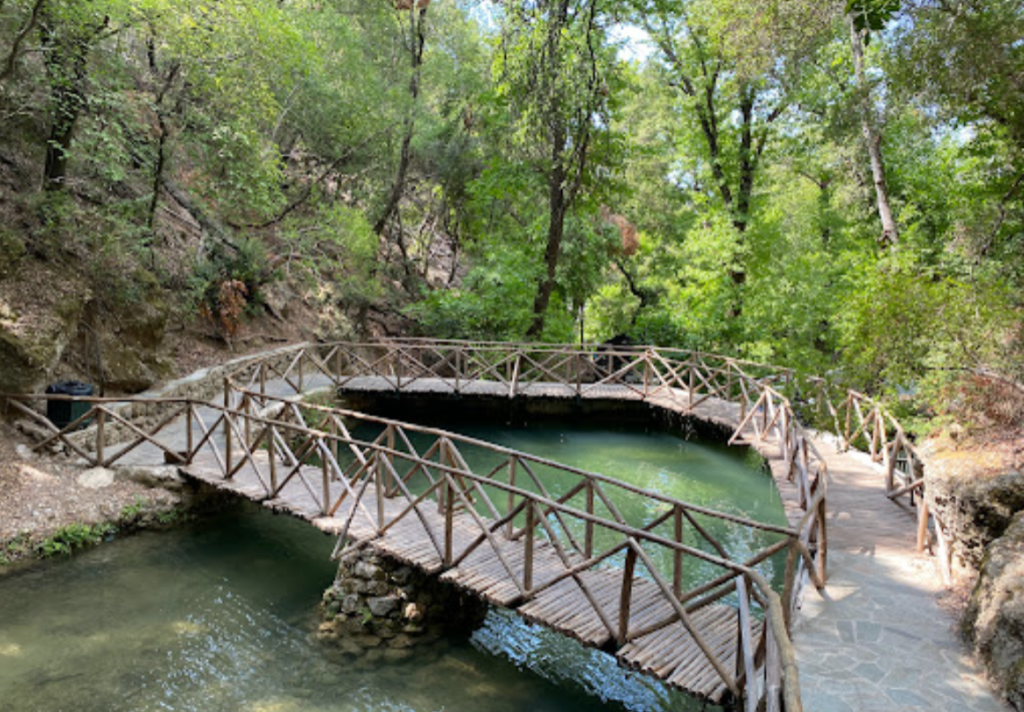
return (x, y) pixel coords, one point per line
(12, 56)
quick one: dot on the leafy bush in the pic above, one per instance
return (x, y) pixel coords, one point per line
(229, 284)
(73, 536)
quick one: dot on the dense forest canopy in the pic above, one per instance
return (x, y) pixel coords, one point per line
(832, 185)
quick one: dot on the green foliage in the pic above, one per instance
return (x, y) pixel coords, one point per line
(16, 548)
(906, 329)
(334, 245)
(248, 263)
(735, 148)
(872, 15)
(74, 536)
(495, 300)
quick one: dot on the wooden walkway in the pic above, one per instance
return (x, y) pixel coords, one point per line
(707, 641)
(562, 604)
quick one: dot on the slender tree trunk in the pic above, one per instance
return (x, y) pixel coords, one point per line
(556, 231)
(11, 62)
(65, 54)
(418, 41)
(165, 133)
(873, 138)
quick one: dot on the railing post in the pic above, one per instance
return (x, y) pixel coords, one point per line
(272, 458)
(378, 481)
(626, 595)
(790, 584)
(528, 553)
(588, 541)
(449, 520)
(247, 414)
(691, 375)
(389, 442)
(101, 422)
(509, 527)
(189, 435)
(325, 472)
(890, 464)
(263, 382)
(299, 364)
(677, 556)
(227, 430)
(922, 524)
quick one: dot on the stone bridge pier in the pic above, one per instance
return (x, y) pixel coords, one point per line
(379, 609)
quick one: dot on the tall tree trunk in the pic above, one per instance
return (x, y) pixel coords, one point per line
(556, 231)
(417, 38)
(65, 52)
(873, 138)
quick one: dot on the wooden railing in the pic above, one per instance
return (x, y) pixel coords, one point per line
(686, 378)
(425, 471)
(282, 443)
(689, 380)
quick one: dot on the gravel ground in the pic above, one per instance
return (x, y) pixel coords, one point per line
(38, 496)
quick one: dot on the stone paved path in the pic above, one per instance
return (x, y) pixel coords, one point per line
(876, 639)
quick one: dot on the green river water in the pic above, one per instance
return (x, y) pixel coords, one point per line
(220, 614)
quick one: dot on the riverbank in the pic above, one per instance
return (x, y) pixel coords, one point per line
(49, 505)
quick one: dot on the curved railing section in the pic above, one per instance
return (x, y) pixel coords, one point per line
(686, 378)
(257, 429)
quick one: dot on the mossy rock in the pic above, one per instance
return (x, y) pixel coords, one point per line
(126, 348)
(994, 619)
(40, 310)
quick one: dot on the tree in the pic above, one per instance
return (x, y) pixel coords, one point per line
(734, 97)
(555, 70)
(67, 33)
(863, 17)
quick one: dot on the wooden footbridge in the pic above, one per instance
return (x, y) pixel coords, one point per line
(699, 599)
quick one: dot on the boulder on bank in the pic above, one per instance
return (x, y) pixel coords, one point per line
(975, 507)
(40, 310)
(994, 619)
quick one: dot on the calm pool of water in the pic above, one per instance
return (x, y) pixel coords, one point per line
(220, 614)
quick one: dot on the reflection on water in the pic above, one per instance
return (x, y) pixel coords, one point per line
(220, 615)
